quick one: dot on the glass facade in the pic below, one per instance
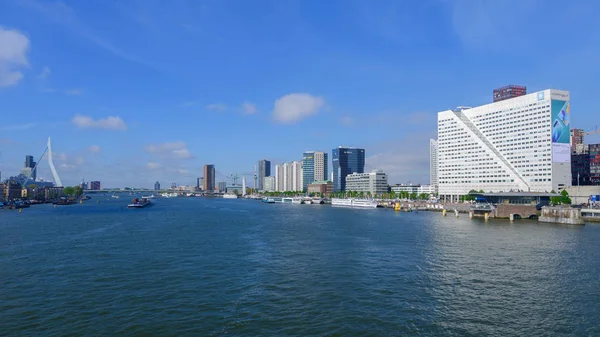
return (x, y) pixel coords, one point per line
(264, 170)
(308, 169)
(345, 161)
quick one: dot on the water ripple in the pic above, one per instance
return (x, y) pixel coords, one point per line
(202, 267)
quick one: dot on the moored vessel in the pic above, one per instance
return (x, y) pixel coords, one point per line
(268, 200)
(230, 196)
(355, 203)
(139, 203)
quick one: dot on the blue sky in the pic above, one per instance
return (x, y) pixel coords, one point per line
(138, 91)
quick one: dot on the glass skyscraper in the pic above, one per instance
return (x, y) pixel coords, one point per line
(345, 161)
(264, 170)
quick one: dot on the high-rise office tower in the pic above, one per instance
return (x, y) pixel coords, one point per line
(516, 144)
(264, 170)
(345, 161)
(209, 177)
(30, 164)
(433, 164)
(157, 186)
(314, 167)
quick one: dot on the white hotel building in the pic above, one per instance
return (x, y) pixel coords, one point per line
(519, 144)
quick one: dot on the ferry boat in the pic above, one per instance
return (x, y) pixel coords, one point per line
(170, 195)
(230, 196)
(268, 200)
(355, 203)
(297, 201)
(139, 203)
(151, 196)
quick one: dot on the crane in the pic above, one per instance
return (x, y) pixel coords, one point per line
(587, 133)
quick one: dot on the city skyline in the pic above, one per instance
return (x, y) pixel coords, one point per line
(100, 93)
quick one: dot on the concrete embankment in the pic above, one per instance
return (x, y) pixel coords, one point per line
(562, 215)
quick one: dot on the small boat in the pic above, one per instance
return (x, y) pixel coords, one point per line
(139, 203)
(115, 196)
(297, 201)
(64, 201)
(151, 196)
(287, 200)
(268, 200)
(230, 196)
(85, 197)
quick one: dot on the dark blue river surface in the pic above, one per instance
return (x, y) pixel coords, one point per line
(203, 267)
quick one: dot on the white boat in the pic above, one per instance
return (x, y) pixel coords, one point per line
(169, 195)
(115, 196)
(308, 201)
(355, 203)
(150, 196)
(287, 200)
(297, 201)
(230, 196)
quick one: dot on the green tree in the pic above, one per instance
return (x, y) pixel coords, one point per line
(564, 197)
(413, 196)
(77, 191)
(68, 191)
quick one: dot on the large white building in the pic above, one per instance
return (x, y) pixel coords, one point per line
(375, 182)
(269, 184)
(519, 144)
(433, 164)
(288, 177)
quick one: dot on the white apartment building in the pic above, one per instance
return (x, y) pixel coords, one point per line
(296, 176)
(375, 182)
(288, 177)
(433, 164)
(269, 184)
(516, 144)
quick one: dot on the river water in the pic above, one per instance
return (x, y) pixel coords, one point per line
(211, 267)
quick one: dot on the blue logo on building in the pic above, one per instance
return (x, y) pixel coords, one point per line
(540, 96)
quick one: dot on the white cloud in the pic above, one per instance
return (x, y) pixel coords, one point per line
(248, 108)
(108, 123)
(46, 72)
(13, 56)
(94, 149)
(294, 107)
(218, 107)
(74, 92)
(174, 150)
